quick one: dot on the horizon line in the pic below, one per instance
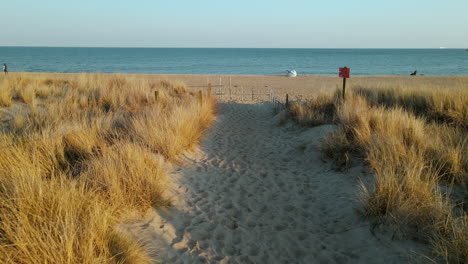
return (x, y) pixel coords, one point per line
(143, 47)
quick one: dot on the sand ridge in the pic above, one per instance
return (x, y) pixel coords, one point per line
(257, 192)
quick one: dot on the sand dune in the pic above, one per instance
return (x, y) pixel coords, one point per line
(257, 192)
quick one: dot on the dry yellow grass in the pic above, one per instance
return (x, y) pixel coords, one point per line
(6, 97)
(127, 174)
(82, 151)
(316, 111)
(446, 112)
(440, 105)
(415, 141)
(59, 221)
(154, 128)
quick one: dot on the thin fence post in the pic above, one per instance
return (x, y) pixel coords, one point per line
(221, 93)
(156, 95)
(286, 105)
(252, 93)
(230, 91)
(209, 89)
(200, 97)
(344, 88)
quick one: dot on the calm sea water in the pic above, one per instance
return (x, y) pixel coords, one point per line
(236, 61)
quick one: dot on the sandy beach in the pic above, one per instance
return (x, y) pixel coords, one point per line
(300, 87)
(258, 192)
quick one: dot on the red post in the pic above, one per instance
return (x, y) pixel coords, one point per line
(344, 73)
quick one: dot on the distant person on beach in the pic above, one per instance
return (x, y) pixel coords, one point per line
(414, 73)
(5, 68)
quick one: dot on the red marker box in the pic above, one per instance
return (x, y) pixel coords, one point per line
(344, 72)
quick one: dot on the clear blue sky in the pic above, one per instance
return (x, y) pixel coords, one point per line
(236, 23)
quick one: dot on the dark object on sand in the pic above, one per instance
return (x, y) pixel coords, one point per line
(414, 73)
(5, 68)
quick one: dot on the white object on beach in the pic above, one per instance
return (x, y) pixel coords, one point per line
(292, 73)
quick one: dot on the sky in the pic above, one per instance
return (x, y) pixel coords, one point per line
(236, 23)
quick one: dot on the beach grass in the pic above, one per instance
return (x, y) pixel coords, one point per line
(416, 142)
(79, 152)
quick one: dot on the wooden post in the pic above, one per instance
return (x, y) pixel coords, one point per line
(230, 92)
(286, 105)
(252, 94)
(200, 97)
(220, 88)
(344, 73)
(209, 89)
(156, 95)
(344, 88)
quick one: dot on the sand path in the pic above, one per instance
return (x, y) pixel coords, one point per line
(260, 193)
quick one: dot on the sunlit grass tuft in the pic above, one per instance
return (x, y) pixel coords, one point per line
(78, 153)
(415, 141)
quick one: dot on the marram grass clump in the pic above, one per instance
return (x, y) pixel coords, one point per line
(415, 141)
(78, 152)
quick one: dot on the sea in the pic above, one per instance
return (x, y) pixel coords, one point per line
(235, 61)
